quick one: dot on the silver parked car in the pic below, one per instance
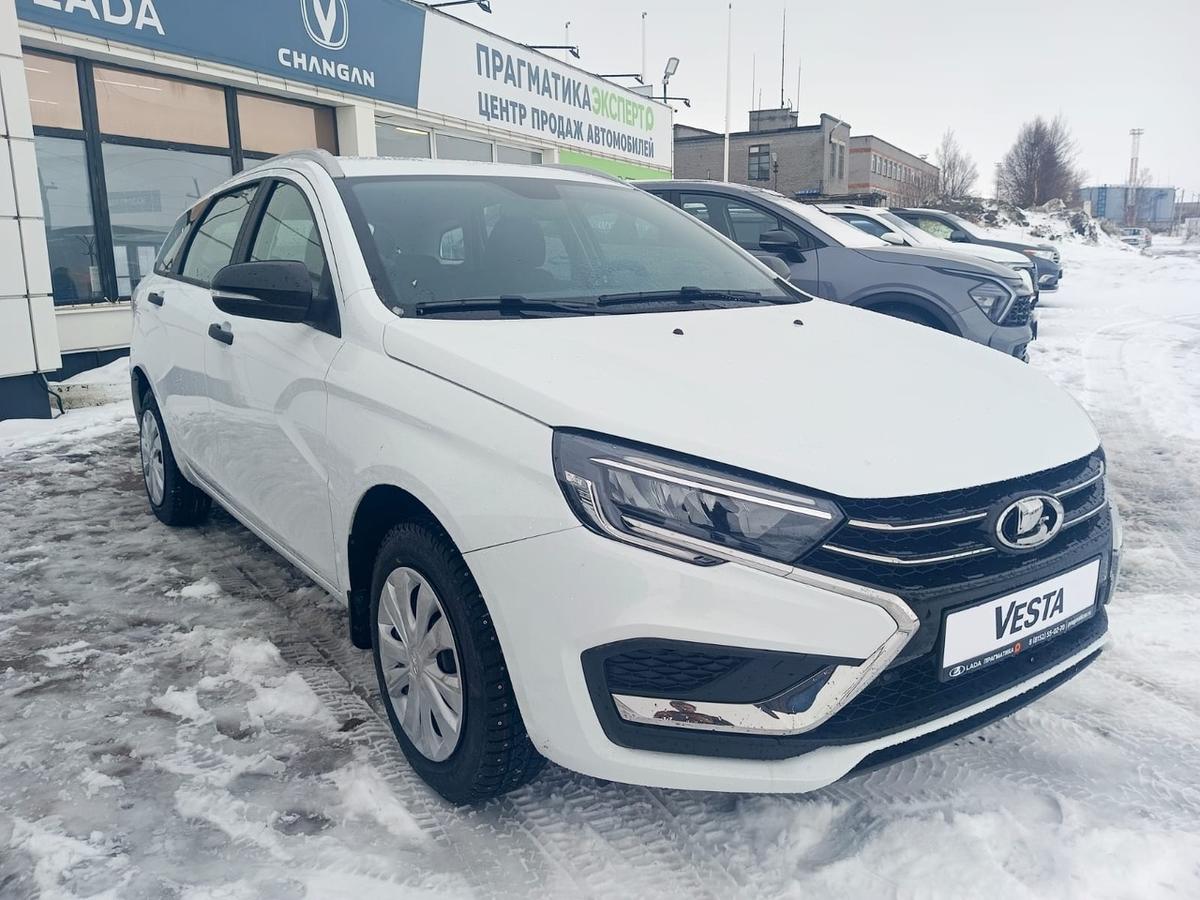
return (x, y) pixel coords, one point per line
(965, 296)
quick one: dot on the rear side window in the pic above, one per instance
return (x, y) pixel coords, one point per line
(288, 231)
(936, 227)
(173, 245)
(212, 247)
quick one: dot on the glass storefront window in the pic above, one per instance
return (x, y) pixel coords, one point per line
(451, 147)
(70, 229)
(53, 91)
(147, 191)
(518, 155)
(396, 140)
(160, 109)
(276, 126)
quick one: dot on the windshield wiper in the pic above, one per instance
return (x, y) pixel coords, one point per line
(688, 295)
(506, 305)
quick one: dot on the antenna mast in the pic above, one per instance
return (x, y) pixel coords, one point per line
(782, 53)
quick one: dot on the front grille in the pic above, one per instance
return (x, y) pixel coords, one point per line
(938, 540)
(1020, 312)
(666, 671)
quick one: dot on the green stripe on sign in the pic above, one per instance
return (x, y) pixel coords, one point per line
(610, 166)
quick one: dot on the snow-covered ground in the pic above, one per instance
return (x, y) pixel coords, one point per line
(181, 716)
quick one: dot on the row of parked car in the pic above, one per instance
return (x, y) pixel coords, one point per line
(598, 486)
(924, 265)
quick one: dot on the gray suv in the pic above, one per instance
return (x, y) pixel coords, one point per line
(955, 293)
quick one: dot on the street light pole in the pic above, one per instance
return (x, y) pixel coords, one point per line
(728, 84)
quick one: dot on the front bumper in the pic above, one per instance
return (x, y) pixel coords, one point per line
(590, 592)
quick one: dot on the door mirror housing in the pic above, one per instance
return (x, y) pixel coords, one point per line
(278, 290)
(775, 264)
(785, 243)
(958, 236)
(890, 237)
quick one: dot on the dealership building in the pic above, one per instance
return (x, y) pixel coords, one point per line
(116, 115)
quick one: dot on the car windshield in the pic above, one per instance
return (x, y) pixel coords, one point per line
(543, 246)
(916, 236)
(834, 228)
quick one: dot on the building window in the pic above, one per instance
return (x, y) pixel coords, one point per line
(833, 160)
(132, 104)
(272, 126)
(70, 228)
(53, 91)
(841, 148)
(147, 187)
(396, 140)
(518, 155)
(452, 147)
(759, 168)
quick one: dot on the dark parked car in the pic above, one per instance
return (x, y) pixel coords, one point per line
(952, 292)
(957, 229)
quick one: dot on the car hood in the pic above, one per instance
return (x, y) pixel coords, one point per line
(945, 259)
(998, 255)
(849, 401)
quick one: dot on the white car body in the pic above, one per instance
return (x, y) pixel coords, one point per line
(290, 427)
(912, 236)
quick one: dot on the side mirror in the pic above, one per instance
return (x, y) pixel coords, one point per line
(890, 237)
(958, 236)
(782, 242)
(279, 291)
(775, 264)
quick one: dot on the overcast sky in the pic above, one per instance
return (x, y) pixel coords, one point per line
(907, 71)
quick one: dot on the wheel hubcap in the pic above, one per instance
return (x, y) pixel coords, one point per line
(153, 468)
(420, 663)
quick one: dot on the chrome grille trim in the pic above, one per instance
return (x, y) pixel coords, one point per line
(916, 526)
(911, 560)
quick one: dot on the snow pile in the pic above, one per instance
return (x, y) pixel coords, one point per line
(94, 387)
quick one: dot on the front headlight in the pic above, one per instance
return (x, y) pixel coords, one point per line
(684, 507)
(992, 298)
(1044, 254)
(1025, 276)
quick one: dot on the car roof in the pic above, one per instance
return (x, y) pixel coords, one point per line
(373, 166)
(705, 184)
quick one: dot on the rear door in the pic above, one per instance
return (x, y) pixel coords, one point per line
(267, 385)
(175, 302)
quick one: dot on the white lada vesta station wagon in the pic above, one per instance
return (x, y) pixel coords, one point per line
(601, 488)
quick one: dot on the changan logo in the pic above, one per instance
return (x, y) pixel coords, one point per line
(327, 22)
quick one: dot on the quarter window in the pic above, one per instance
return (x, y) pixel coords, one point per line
(212, 246)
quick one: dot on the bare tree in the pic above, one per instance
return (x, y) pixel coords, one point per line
(1040, 165)
(957, 172)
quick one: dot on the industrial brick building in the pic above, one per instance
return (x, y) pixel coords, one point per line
(881, 169)
(818, 161)
(776, 152)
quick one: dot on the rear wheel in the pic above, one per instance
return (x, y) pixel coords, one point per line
(441, 671)
(174, 499)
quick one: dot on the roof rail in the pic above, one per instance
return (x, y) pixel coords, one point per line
(322, 158)
(584, 170)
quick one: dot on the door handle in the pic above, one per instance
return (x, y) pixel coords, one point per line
(218, 333)
(155, 298)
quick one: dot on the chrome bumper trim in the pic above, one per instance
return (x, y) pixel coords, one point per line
(843, 685)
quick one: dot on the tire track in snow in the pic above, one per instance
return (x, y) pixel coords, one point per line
(603, 840)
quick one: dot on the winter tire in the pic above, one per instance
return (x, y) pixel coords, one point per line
(174, 499)
(441, 671)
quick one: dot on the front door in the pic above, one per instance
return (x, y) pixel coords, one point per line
(267, 389)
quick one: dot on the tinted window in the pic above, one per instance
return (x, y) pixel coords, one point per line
(864, 223)
(538, 238)
(212, 247)
(70, 228)
(749, 223)
(396, 140)
(703, 209)
(936, 227)
(162, 109)
(53, 91)
(173, 245)
(451, 147)
(288, 231)
(275, 126)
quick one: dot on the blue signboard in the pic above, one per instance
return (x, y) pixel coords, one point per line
(366, 47)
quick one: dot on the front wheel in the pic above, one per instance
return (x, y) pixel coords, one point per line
(441, 672)
(174, 499)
